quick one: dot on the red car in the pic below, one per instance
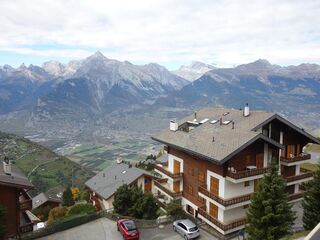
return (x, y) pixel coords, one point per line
(128, 229)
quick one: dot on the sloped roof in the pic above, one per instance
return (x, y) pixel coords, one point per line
(42, 198)
(16, 179)
(106, 182)
(227, 141)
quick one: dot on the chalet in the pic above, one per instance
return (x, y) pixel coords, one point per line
(103, 185)
(217, 156)
(15, 199)
(44, 200)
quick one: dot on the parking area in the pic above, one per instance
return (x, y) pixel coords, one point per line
(104, 228)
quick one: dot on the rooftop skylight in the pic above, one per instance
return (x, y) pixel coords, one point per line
(214, 121)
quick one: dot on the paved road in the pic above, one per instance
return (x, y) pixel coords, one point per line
(104, 228)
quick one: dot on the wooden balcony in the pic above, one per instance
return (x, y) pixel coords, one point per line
(246, 173)
(165, 171)
(301, 157)
(223, 226)
(28, 227)
(303, 174)
(25, 205)
(295, 196)
(224, 202)
(167, 190)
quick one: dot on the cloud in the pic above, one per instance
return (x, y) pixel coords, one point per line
(225, 32)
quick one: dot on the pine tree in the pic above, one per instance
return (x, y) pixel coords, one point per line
(149, 206)
(2, 222)
(310, 204)
(270, 216)
(67, 198)
(122, 200)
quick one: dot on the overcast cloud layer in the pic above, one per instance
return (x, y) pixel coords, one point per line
(168, 32)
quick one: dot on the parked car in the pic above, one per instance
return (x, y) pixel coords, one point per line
(128, 229)
(186, 228)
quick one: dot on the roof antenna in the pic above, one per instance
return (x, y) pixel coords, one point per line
(213, 139)
(195, 117)
(232, 125)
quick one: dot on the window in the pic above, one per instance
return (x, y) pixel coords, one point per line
(189, 189)
(201, 176)
(247, 183)
(182, 226)
(190, 171)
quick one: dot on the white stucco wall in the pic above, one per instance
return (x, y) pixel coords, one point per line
(233, 214)
(237, 189)
(107, 204)
(140, 182)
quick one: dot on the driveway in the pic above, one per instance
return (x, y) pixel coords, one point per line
(104, 228)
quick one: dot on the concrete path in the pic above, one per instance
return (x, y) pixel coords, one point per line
(104, 228)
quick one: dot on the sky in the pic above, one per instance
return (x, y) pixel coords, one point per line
(224, 33)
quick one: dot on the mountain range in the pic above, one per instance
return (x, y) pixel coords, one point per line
(89, 90)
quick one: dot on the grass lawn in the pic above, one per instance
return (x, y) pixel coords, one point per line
(310, 166)
(313, 148)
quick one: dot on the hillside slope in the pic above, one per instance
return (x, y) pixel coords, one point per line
(44, 168)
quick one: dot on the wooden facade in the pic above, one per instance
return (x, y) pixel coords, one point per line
(16, 202)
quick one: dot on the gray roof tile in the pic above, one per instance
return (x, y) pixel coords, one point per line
(106, 182)
(226, 139)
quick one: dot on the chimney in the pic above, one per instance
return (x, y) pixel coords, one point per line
(246, 110)
(173, 125)
(115, 177)
(213, 139)
(7, 166)
(195, 117)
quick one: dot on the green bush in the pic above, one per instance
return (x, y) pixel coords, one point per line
(81, 209)
(174, 209)
(57, 213)
(135, 203)
(42, 212)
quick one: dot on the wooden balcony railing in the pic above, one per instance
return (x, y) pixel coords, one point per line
(26, 228)
(221, 225)
(246, 173)
(26, 205)
(162, 180)
(301, 157)
(295, 196)
(167, 191)
(224, 202)
(168, 173)
(304, 174)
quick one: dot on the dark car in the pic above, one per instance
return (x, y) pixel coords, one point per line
(128, 229)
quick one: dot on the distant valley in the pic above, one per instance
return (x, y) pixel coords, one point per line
(97, 109)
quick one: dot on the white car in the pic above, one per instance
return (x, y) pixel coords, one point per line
(186, 229)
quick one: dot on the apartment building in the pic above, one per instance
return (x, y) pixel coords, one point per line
(216, 157)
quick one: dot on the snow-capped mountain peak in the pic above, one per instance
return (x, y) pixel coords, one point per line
(194, 70)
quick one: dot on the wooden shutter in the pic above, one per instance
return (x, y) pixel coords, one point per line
(176, 167)
(214, 185)
(213, 210)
